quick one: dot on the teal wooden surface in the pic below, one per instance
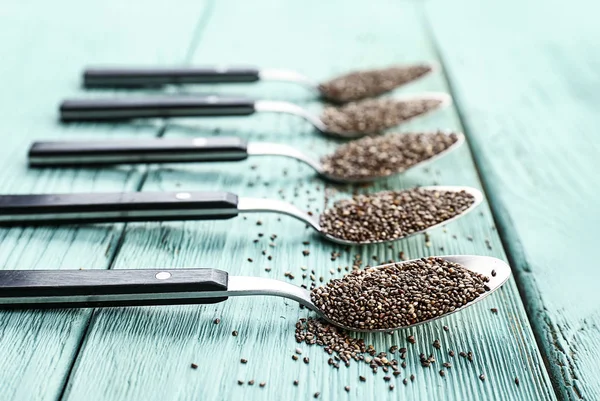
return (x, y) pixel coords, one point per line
(529, 96)
(145, 353)
(43, 46)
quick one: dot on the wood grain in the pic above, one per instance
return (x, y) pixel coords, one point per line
(145, 353)
(44, 46)
(529, 97)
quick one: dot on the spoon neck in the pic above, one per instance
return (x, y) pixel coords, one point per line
(277, 149)
(290, 108)
(283, 75)
(251, 205)
(246, 285)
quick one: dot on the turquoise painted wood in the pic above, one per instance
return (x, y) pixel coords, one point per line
(529, 97)
(145, 353)
(43, 47)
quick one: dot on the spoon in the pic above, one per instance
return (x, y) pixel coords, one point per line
(175, 150)
(132, 77)
(60, 209)
(208, 106)
(34, 289)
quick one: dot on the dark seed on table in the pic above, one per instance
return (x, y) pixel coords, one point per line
(442, 373)
(446, 328)
(295, 382)
(405, 382)
(361, 300)
(372, 116)
(362, 378)
(392, 387)
(470, 356)
(411, 339)
(234, 333)
(494, 310)
(482, 377)
(250, 260)
(463, 354)
(240, 382)
(403, 364)
(251, 382)
(451, 353)
(243, 360)
(397, 373)
(306, 252)
(436, 344)
(347, 388)
(412, 378)
(217, 321)
(391, 215)
(306, 360)
(194, 366)
(517, 381)
(447, 365)
(386, 378)
(294, 357)
(493, 273)
(262, 384)
(316, 395)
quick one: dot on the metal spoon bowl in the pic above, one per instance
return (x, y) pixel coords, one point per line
(26, 289)
(127, 108)
(61, 209)
(177, 150)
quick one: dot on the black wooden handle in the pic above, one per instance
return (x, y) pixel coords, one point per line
(154, 107)
(98, 77)
(156, 150)
(57, 209)
(91, 288)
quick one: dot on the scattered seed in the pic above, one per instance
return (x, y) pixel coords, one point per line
(411, 339)
(442, 373)
(295, 382)
(446, 328)
(412, 378)
(436, 344)
(517, 381)
(217, 321)
(392, 387)
(306, 360)
(240, 382)
(482, 377)
(294, 357)
(194, 366)
(493, 273)
(234, 333)
(298, 351)
(251, 382)
(494, 310)
(243, 360)
(347, 388)
(262, 384)
(362, 378)
(405, 382)
(447, 365)
(316, 395)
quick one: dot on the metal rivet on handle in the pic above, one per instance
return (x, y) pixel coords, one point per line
(163, 275)
(183, 195)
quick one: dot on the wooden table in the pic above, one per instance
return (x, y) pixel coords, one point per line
(524, 77)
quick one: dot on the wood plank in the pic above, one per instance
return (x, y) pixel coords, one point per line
(145, 353)
(44, 47)
(529, 95)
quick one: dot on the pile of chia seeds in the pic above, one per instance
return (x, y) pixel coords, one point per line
(370, 83)
(398, 295)
(391, 215)
(376, 157)
(372, 116)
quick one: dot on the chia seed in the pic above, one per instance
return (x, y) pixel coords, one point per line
(375, 157)
(398, 295)
(391, 215)
(370, 83)
(372, 116)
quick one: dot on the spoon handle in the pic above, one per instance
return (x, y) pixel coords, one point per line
(92, 288)
(154, 107)
(136, 151)
(131, 77)
(59, 209)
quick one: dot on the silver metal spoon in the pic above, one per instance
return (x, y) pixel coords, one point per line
(134, 77)
(34, 289)
(127, 108)
(178, 150)
(60, 209)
